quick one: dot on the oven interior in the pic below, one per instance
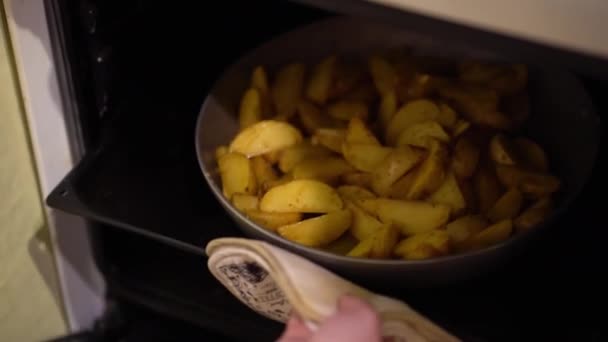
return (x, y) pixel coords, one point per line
(137, 73)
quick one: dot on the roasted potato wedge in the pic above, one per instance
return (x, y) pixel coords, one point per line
(463, 228)
(304, 196)
(264, 137)
(250, 110)
(363, 224)
(533, 216)
(465, 157)
(220, 152)
(502, 150)
(449, 194)
(531, 154)
(492, 235)
(327, 170)
(317, 231)
(259, 80)
(312, 118)
(385, 240)
(244, 202)
(431, 173)
(237, 175)
(507, 206)
(384, 74)
(411, 113)
(362, 249)
(272, 221)
(420, 134)
(411, 217)
(532, 183)
(321, 80)
(354, 193)
(487, 188)
(479, 105)
(345, 110)
(447, 116)
(358, 133)
(397, 163)
(287, 89)
(388, 108)
(364, 157)
(333, 139)
(293, 155)
(263, 171)
(426, 245)
(362, 179)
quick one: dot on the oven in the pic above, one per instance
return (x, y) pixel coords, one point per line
(131, 212)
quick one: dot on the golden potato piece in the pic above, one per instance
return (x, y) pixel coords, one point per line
(384, 74)
(411, 113)
(385, 240)
(447, 116)
(411, 217)
(431, 173)
(304, 196)
(354, 193)
(364, 157)
(287, 89)
(220, 152)
(398, 162)
(363, 224)
(327, 170)
(318, 231)
(321, 80)
(330, 138)
(449, 193)
(264, 137)
(492, 235)
(358, 133)
(507, 206)
(502, 150)
(237, 175)
(426, 245)
(487, 188)
(460, 127)
(293, 155)
(362, 249)
(259, 80)
(244, 202)
(388, 108)
(346, 110)
(263, 171)
(532, 183)
(463, 228)
(465, 157)
(312, 119)
(479, 105)
(342, 245)
(532, 155)
(362, 179)
(533, 216)
(420, 134)
(250, 110)
(272, 221)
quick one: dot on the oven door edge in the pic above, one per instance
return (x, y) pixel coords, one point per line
(55, 147)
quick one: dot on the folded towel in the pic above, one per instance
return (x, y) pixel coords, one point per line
(273, 282)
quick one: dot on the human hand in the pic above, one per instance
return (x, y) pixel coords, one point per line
(354, 321)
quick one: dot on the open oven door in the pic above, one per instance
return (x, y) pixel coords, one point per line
(527, 31)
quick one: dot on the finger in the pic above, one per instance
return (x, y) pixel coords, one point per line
(354, 321)
(295, 331)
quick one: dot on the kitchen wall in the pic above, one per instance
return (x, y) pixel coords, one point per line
(30, 308)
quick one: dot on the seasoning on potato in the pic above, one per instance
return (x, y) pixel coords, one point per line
(387, 159)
